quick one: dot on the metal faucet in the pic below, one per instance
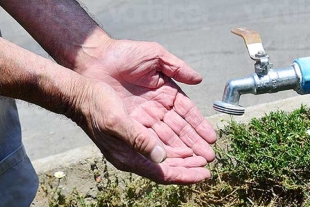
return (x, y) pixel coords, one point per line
(265, 79)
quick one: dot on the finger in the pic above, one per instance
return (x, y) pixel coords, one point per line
(183, 175)
(150, 116)
(171, 171)
(141, 139)
(167, 135)
(174, 145)
(177, 69)
(187, 109)
(189, 136)
(189, 162)
(178, 152)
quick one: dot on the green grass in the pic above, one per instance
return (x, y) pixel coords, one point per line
(268, 159)
(263, 163)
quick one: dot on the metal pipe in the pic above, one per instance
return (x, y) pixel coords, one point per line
(275, 80)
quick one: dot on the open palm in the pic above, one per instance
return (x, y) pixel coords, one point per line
(141, 73)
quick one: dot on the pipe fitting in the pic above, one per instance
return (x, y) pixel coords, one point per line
(274, 81)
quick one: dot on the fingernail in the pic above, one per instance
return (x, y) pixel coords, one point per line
(158, 154)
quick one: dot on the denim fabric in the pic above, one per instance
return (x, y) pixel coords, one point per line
(18, 179)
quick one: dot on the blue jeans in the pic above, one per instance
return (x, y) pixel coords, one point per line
(18, 179)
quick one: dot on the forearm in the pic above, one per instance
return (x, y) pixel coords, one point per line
(61, 27)
(34, 79)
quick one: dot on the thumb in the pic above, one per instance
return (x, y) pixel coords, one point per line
(177, 69)
(142, 140)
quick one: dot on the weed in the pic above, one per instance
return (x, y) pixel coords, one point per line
(268, 159)
(262, 163)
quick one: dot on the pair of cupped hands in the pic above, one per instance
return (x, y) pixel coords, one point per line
(138, 116)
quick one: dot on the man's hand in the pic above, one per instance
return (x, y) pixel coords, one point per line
(140, 73)
(102, 115)
(149, 106)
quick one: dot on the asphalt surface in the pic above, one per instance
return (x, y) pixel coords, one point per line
(196, 31)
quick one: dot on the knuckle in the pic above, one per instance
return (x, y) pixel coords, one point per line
(139, 141)
(156, 45)
(188, 131)
(111, 121)
(157, 49)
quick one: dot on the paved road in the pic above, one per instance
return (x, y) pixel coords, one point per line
(197, 31)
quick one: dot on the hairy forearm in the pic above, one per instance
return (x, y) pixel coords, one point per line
(62, 28)
(37, 80)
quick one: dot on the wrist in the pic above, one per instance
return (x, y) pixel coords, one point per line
(40, 81)
(76, 99)
(81, 56)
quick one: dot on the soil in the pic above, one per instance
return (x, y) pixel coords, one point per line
(82, 177)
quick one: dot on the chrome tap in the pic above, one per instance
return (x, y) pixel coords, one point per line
(265, 79)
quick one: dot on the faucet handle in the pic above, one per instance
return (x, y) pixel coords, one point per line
(253, 42)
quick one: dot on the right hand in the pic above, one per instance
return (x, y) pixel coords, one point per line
(142, 75)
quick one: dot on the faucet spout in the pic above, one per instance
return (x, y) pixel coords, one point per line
(275, 80)
(236, 87)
